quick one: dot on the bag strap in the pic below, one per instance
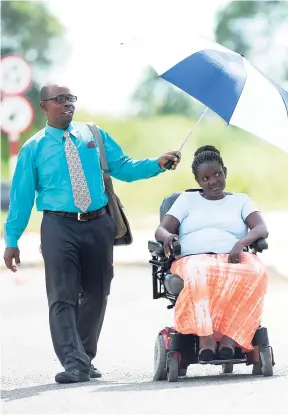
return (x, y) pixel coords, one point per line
(96, 133)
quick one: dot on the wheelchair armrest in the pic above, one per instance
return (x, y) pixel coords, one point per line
(259, 245)
(155, 247)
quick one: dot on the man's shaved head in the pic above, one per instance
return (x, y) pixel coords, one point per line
(58, 114)
(48, 90)
(44, 93)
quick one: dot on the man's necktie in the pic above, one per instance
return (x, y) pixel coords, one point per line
(81, 194)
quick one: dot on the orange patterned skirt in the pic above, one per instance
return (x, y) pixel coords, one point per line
(220, 298)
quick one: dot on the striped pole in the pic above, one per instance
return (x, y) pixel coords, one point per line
(13, 151)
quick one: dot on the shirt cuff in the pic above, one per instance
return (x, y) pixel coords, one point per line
(11, 241)
(158, 168)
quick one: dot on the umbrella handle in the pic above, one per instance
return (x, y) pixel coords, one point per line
(170, 163)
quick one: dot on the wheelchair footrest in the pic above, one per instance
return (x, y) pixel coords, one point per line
(223, 362)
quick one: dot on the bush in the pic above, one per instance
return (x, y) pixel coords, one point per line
(254, 166)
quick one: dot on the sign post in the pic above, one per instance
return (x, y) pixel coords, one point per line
(17, 113)
(16, 117)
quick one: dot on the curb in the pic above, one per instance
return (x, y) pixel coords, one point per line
(125, 264)
(39, 264)
(27, 265)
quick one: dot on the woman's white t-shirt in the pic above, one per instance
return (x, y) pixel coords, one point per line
(211, 225)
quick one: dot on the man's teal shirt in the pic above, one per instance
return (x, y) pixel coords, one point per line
(42, 168)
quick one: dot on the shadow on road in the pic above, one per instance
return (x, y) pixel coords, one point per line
(21, 393)
(106, 386)
(186, 382)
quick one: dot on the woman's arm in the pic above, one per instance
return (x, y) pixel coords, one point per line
(166, 232)
(258, 229)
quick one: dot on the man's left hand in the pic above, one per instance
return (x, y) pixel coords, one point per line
(169, 156)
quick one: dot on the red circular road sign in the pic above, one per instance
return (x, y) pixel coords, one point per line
(17, 114)
(16, 75)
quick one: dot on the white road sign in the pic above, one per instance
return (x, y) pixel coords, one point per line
(16, 75)
(16, 114)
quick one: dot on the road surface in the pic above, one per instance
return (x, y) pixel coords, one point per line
(126, 357)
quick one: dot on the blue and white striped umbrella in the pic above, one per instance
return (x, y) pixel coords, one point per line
(225, 82)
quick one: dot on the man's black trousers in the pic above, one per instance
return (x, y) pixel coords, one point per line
(78, 259)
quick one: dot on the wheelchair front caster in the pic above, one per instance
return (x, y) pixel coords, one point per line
(257, 369)
(173, 367)
(227, 368)
(266, 360)
(265, 366)
(182, 372)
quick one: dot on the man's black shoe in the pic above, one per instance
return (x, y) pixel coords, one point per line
(94, 373)
(72, 376)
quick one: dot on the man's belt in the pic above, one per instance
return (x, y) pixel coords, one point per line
(82, 217)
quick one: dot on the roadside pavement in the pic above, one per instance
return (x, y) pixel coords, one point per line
(137, 254)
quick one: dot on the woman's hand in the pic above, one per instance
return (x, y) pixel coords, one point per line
(236, 253)
(168, 241)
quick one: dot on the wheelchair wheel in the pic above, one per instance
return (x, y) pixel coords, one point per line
(227, 368)
(173, 369)
(266, 360)
(160, 358)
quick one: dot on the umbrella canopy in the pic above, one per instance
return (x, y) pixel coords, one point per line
(224, 81)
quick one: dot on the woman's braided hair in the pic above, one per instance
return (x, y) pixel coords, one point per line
(206, 153)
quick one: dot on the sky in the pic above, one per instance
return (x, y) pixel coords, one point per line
(101, 72)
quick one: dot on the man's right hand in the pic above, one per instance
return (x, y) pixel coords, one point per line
(12, 258)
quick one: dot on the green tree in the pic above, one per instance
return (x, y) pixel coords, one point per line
(258, 30)
(28, 28)
(156, 96)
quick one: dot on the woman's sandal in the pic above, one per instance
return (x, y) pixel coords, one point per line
(206, 355)
(226, 353)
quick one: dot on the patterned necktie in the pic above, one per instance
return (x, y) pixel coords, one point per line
(81, 194)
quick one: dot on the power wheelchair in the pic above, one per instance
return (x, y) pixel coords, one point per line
(173, 351)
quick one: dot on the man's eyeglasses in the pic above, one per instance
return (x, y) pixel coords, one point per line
(62, 98)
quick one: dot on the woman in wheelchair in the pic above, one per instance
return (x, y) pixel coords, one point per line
(224, 284)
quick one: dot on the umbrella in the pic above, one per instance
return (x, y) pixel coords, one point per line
(224, 81)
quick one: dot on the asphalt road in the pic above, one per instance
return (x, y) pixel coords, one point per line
(126, 357)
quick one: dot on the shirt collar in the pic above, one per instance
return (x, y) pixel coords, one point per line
(58, 134)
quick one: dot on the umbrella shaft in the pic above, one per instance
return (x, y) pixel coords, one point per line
(193, 129)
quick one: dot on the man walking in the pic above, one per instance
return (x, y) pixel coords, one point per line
(61, 164)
